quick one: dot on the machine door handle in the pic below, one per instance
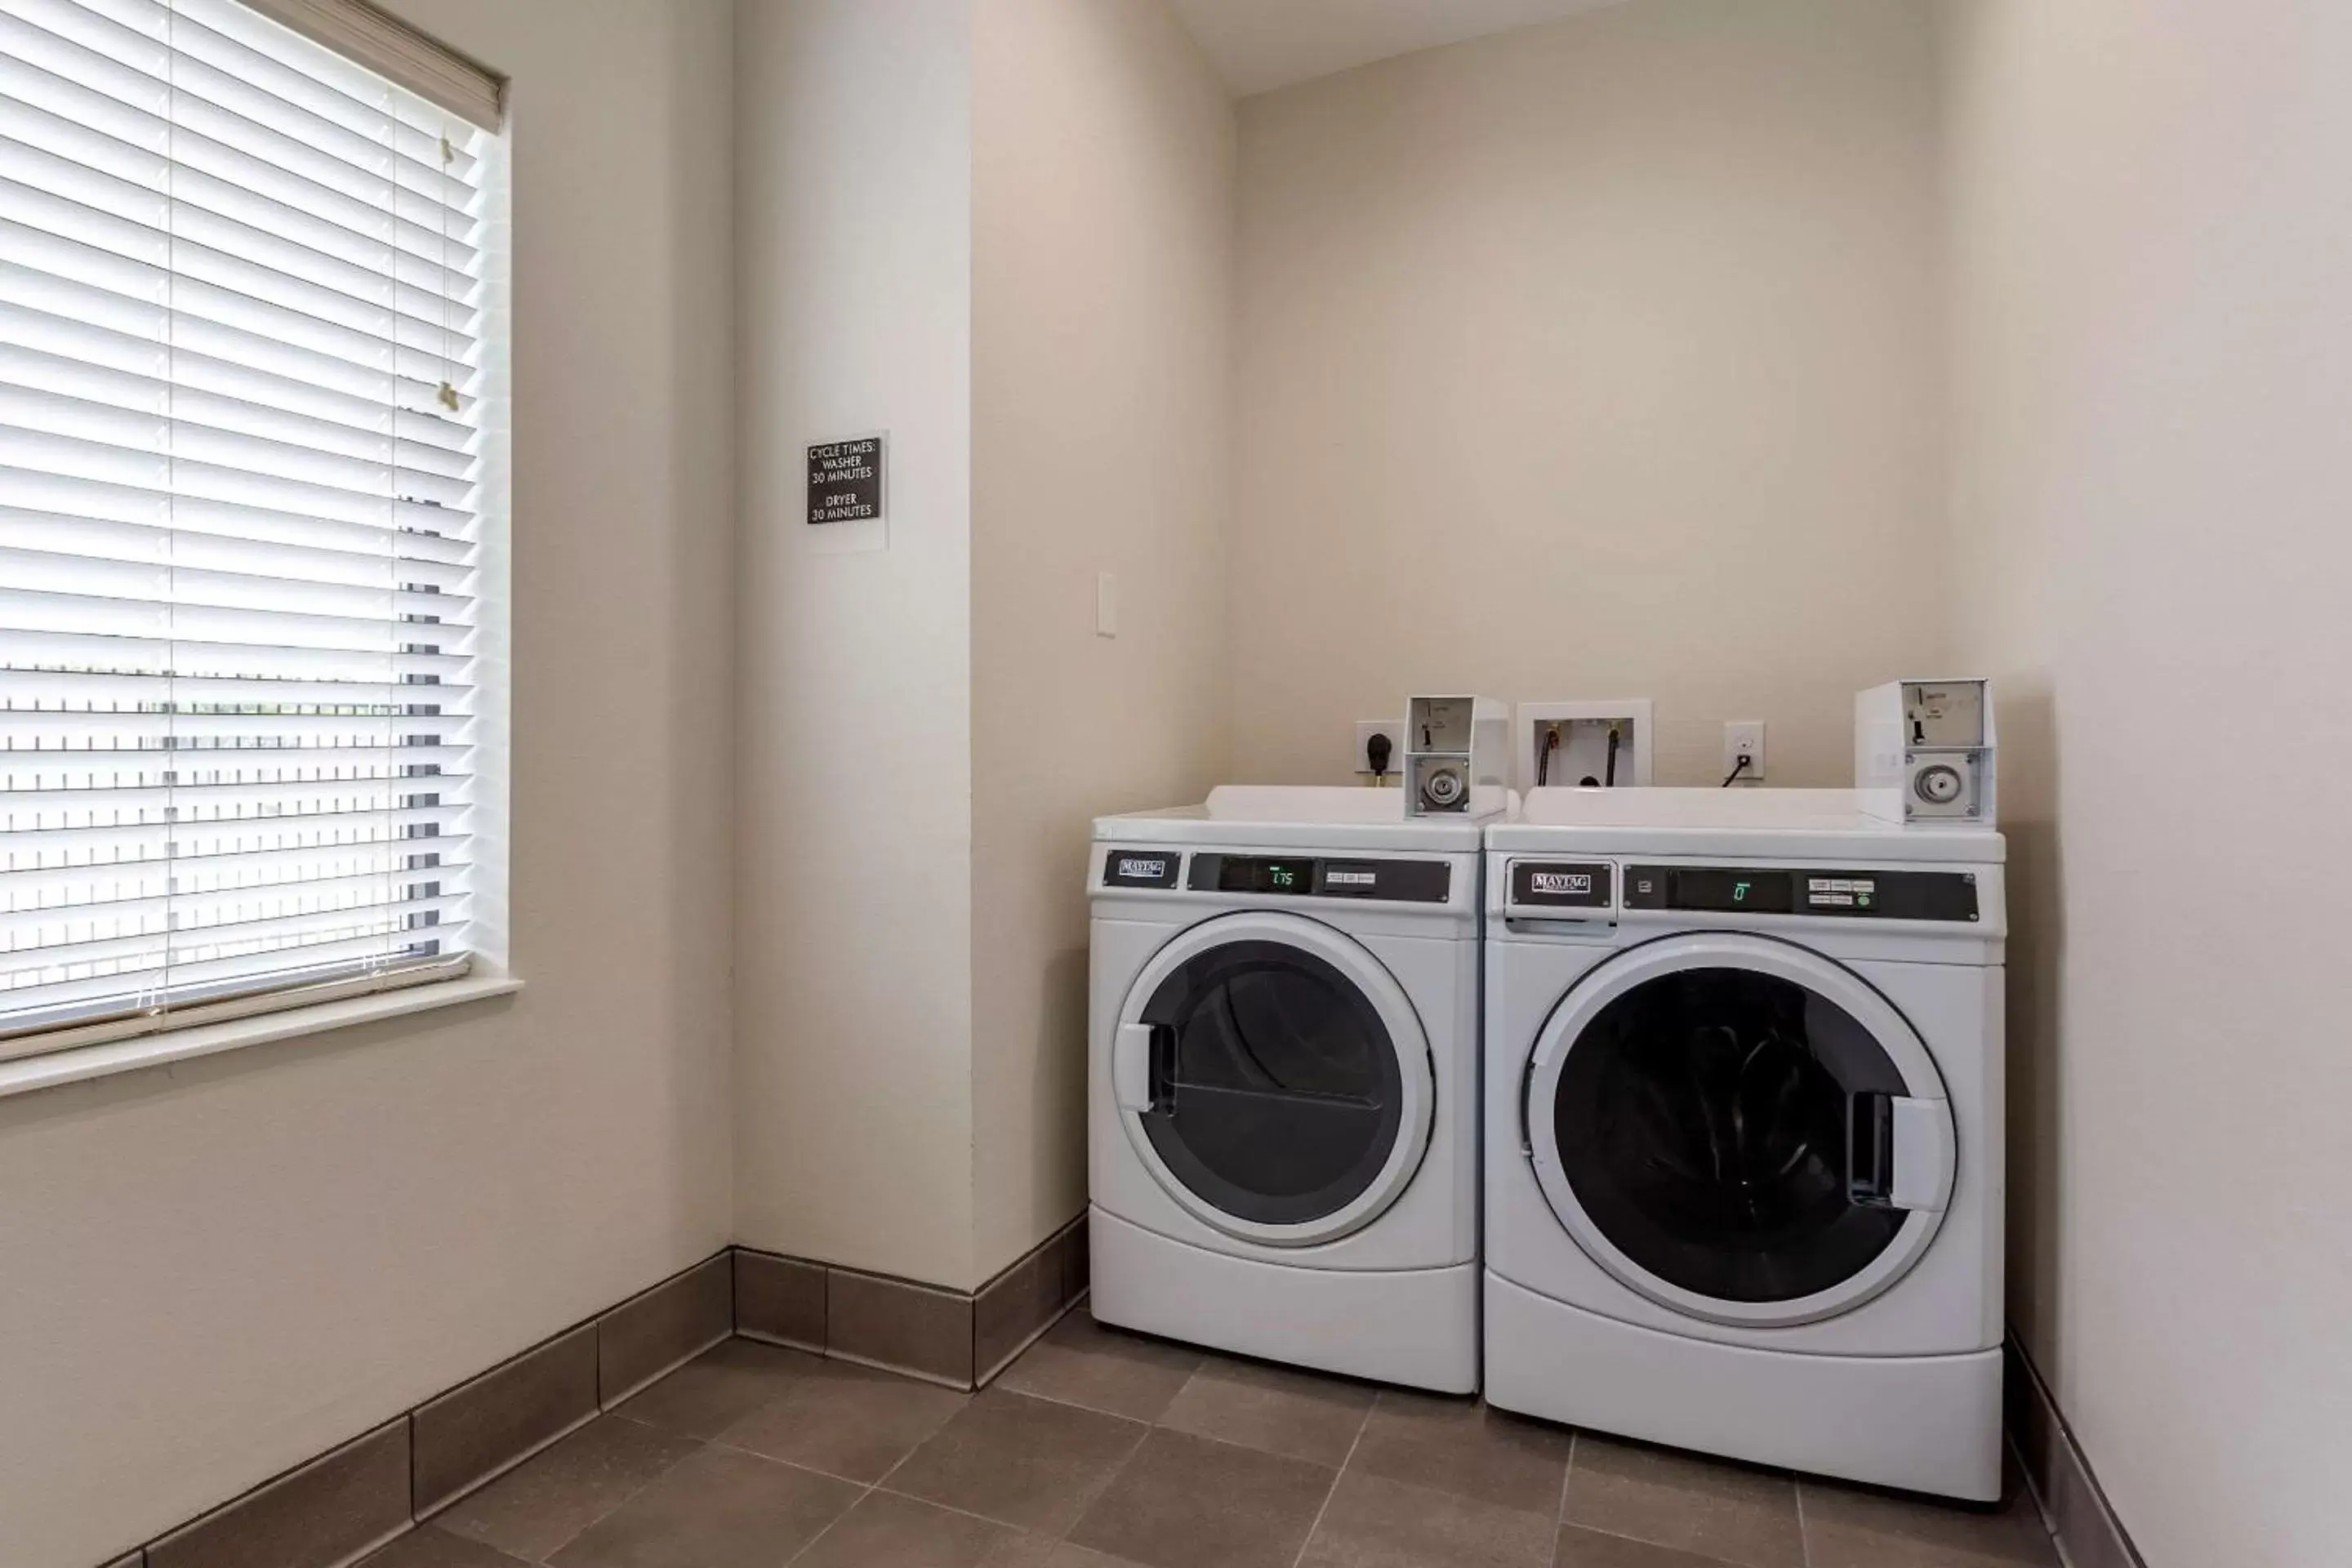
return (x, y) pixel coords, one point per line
(1901, 1153)
(1133, 1066)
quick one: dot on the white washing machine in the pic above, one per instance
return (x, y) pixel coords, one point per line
(1283, 1081)
(1744, 1129)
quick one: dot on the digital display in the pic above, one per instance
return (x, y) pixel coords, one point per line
(1709, 889)
(1240, 875)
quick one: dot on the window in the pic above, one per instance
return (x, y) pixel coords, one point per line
(243, 486)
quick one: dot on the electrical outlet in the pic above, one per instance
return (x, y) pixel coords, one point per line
(1743, 738)
(1390, 729)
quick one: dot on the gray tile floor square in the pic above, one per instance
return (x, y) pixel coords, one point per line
(847, 1420)
(431, 1548)
(1371, 1522)
(886, 1531)
(1103, 1449)
(1077, 1362)
(719, 1387)
(1729, 1512)
(1194, 1502)
(1460, 1446)
(1273, 1409)
(1027, 1462)
(717, 1508)
(542, 1503)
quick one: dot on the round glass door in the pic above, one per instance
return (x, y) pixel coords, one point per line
(1716, 1120)
(1286, 1080)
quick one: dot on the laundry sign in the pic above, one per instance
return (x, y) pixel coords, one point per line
(845, 479)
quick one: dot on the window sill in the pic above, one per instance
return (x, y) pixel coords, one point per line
(76, 1066)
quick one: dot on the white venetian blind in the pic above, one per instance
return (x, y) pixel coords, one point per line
(239, 455)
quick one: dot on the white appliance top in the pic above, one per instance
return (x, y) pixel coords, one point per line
(1300, 816)
(1790, 824)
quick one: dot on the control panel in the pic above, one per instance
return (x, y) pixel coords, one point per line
(1779, 890)
(1386, 880)
(1382, 879)
(1389, 880)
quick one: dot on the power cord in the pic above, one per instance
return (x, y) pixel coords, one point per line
(1609, 774)
(1737, 768)
(1543, 756)
(1377, 751)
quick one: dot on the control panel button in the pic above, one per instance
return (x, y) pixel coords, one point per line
(1389, 882)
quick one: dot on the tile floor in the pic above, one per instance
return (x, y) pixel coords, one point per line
(1099, 1450)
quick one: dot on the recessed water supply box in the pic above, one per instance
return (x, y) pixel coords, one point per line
(1605, 745)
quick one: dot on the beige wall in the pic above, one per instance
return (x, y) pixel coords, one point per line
(2154, 359)
(1648, 304)
(1002, 235)
(853, 1126)
(211, 1271)
(1594, 360)
(1103, 163)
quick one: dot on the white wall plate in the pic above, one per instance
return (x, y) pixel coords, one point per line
(1584, 741)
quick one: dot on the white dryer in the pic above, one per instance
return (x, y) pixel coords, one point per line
(1283, 1081)
(1744, 1129)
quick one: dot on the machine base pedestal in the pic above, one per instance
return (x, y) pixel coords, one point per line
(1925, 1423)
(1417, 1326)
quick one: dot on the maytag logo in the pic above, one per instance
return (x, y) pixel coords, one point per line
(1151, 870)
(1566, 883)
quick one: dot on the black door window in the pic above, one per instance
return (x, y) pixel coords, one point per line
(1277, 1091)
(1704, 1122)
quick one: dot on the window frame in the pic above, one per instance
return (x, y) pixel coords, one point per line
(77, 1051)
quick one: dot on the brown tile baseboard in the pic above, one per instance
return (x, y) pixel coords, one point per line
(952, 1337)
(899, 1324)
(1018, 1305)
(333, 1510)
(657, 1329)
(482, 1429)
(2076, 1510)
(781, 1299)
